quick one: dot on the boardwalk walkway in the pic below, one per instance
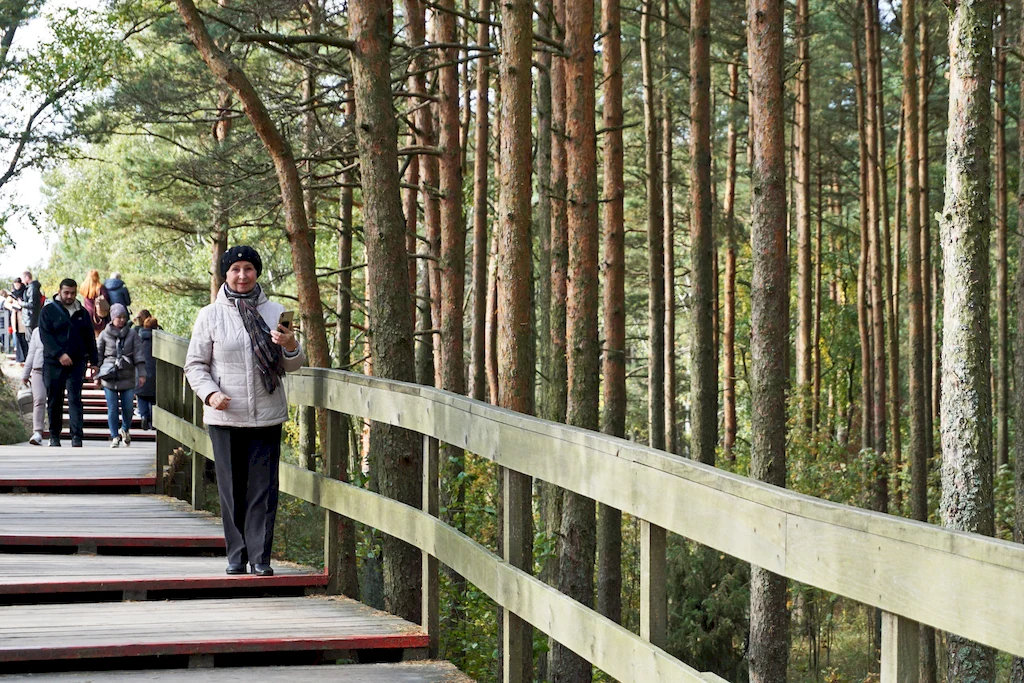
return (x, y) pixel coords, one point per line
(102, 581)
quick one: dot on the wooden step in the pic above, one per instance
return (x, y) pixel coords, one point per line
(92, 467)
(55, 522)
(407, 672)
(24, 575)
(338, 626)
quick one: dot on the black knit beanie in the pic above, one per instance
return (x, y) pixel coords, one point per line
(240, 253)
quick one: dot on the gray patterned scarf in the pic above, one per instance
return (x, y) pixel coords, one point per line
(268, 354)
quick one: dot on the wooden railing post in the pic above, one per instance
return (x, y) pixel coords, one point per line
(164, 443)
(653, 595)
(198, 460)
(900, 649)
(517, 550)
(431, 593)
(339, 532)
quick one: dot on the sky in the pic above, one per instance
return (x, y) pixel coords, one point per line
(31, 249)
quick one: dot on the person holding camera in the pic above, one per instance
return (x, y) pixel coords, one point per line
(237, 357)
(121, 361)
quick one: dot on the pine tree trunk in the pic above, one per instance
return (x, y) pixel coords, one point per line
(578, 540)
(296, 223)
(1002, 452)
(542, 186)
(398, 455)
(802, 202)
(704, 373)
(669, 248)
(816, 333)
(558, 386)
(1017, 668)
(769, 620)
(609, 530)
(514, 300)
(221, 216)
(863, 294)
(877, 275)
(655, 238)
(966, 399)
(480, 168)
(729, 331)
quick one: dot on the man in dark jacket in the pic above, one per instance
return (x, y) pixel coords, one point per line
(65, 330)
(32, 303)
(117, 291)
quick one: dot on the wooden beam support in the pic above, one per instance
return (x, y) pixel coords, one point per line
(653, 594)
(431, 593)
(339, 532)
(517, 550)
(900, 649)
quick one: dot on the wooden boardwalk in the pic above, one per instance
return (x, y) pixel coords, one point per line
(93, 522)
(93, 467)
(409, 672)
(105, 605)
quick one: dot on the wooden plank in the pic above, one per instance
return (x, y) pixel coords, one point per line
(105, 521)
(189, 627)
(30, 574)
(409, 672)
(90, 466)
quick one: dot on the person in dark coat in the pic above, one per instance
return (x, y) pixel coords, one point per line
(120, 351)
(117, 292)
(32, 303)
(69, 348)
(146, 394)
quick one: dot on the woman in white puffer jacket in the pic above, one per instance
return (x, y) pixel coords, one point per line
(236, 359)
(32, 376)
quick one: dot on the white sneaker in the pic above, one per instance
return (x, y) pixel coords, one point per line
(126, 437)
(115, 442)
(37, 439)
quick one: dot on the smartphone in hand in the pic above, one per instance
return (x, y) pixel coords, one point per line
(286, 319)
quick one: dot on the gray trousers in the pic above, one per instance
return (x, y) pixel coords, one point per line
(247, 479)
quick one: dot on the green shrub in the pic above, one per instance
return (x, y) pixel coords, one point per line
(12, 426)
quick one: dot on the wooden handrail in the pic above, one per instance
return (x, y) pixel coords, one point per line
(963, 583)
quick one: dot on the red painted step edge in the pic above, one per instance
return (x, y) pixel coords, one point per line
(118, 541)
(203, 583)
(97, 481)
(241, 645)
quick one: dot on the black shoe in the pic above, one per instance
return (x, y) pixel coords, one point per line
(236, 568)
(54, 443)
(76, 442)
(262, 570)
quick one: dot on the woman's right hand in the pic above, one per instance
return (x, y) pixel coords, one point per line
(219, 401)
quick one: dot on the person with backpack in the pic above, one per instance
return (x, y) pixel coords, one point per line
(96, 301)
(32, 301)
(122, 369)
(146, 394)
(117, 291)
(69, 348)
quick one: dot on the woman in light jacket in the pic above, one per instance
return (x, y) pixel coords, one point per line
(236, 359)
(120, 339)
(32, 376)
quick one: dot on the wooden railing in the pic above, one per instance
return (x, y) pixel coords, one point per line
(915, 573)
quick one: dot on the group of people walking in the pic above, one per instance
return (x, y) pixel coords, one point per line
(71, 340)
(241, 347)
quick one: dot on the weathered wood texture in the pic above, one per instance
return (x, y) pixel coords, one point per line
(33, 573)
(126, 629)
(105, 520)
(92, 466)
(921, 572)
(410, 672)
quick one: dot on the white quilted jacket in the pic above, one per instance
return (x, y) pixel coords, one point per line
(220, 358)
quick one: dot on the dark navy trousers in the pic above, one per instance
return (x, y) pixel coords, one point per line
(246, 461)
